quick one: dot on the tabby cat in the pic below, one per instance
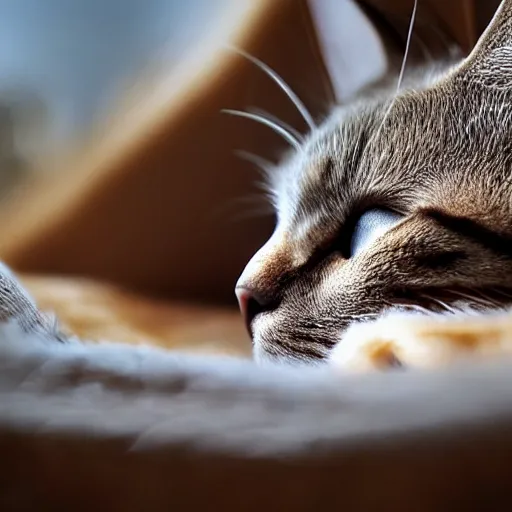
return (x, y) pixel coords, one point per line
(393, 246)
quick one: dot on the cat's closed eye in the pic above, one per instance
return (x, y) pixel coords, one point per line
(369, 226)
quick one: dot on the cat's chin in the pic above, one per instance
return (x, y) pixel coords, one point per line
(265, 358)
(260, 355)
(261, 334)
(271, 347)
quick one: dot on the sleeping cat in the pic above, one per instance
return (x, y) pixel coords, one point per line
(393, 246)
(398, 202)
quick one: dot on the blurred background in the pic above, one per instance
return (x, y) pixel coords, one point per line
(121, 193)
(64, 64)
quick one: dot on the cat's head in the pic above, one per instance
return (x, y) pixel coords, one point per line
(391, 202)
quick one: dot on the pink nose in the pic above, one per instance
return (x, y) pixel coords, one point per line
(251, 304)
(243, 295)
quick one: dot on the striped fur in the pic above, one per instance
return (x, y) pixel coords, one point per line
(440, 154)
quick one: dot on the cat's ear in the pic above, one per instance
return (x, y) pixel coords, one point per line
(351, 46)
(490, 62)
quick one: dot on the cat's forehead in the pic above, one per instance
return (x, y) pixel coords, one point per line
(316, 183)
(433, 141)
(325, 173)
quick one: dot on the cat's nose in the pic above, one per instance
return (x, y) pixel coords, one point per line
(251, 304)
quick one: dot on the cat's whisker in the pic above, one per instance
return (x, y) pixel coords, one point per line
(282, 84)
(423, 309)
(400, 76)
(441, 303)
(413, 307)
(495, 302)
(502, 293)
(259, 162)
(407, 47)
(476, 298)
(335, 319)
(278, 121)
(280, 130)
(362, 315)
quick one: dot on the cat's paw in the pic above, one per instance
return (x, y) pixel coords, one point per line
(401, 340)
